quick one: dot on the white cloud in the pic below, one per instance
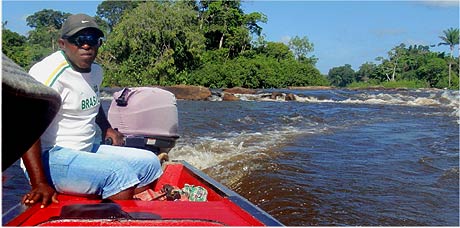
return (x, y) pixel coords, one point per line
(441, 3)
(285, 39)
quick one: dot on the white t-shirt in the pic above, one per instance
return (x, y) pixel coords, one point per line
(74, 125)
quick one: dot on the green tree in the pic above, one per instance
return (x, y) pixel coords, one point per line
(252, 21)
(152, 45)
(391, 66)
(450, 38)
(225, 25)
(257, 71)
(46, 24)
(220, 18)
(111, 11)
(300, 74)
(17, 48)
(415, 65)
(366, 71)
(47, 18)
(301, 47)
(341, 76)
(433, 71)
(13, 46)
(276, 50)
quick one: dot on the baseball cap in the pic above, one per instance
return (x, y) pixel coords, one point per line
(78, 22)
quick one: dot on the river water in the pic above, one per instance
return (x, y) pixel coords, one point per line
(332, 157)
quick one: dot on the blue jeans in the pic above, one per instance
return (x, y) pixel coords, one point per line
(106, 171)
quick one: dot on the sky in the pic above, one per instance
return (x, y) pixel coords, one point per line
(342, 32)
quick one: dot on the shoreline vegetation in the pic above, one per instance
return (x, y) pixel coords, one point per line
(215, 44)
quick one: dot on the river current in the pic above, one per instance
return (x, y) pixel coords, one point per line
(332, 157)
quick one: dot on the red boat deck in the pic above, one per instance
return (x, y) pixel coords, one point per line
(222, 208)
(213, 213)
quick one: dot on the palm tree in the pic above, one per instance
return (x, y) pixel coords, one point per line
(450, 38)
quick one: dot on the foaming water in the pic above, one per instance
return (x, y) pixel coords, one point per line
(332, 157)
(335, 157)
(404, 97)
(435, 98)
(236, 154)
(338, 157)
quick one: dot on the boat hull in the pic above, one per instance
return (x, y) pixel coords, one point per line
(223, 207)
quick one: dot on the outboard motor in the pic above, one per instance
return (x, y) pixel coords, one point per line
(147, 117)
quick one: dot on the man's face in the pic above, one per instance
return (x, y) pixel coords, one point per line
(81, 49)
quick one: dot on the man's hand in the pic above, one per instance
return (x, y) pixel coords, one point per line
(116, 136)
(42, 193)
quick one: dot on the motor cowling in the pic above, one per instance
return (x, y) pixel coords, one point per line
(147, 116)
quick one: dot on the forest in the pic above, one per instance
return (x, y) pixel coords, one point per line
(216, 45)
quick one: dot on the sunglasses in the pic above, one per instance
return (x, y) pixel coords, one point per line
(91, 40)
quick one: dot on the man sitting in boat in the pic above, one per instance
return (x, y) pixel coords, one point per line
(71, 161)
